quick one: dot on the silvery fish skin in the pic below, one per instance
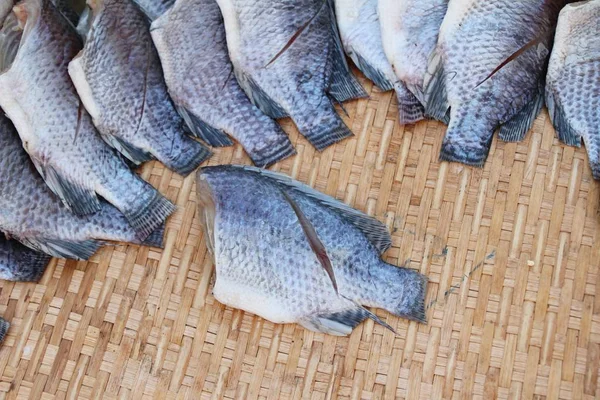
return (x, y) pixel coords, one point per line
(154, 8)
(4, 325)
(573, 80)
(191, 42)
(33, 215)
(19, 263)
(265, 263)
(119, 79)
(409, 30)
(476, 37)
(361, 36)
(38, 96)
(288, 59)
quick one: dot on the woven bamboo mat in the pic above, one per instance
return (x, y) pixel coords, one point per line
(512, 252)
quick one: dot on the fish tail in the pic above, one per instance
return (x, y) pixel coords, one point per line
(410, 109)
(36, 263)
(145, 215)
(410, 289)
(156, 238)
(515, 129)
(435, 94)
(276, 151)
(468, 139)
(181, 154)
(324, 127)
(4, 325)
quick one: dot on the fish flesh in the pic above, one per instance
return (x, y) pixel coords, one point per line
(19, 263)
(277, 244)
(488, 71)
(288, 59)
(34, 216)
(191, 42)
(409, 30)
(4, 325)
(361, 37)
(573, 80)
(38, 96)
(154, 8)
(119, 79)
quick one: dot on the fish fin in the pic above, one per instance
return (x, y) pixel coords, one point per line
(375, 231)
(4, 326)
(374, 74)
(468, 138)
(258, 96)
(132, 153)
(78, 250)
(32, 265)
(564, 130)
(515, 129)
(213, 136)
(145, 217)
(341, 323)
(156, 238)
(412, 303)
(436, 97)
(323, 128)
(343, 85)
(10, 38)
(277, 150)
(410, 109)
(313, 239)
(84, 25)
(79, 198)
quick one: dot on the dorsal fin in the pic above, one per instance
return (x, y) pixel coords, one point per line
(375, 231)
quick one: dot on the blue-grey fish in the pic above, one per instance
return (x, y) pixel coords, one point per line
(288, 58)
(34, 216)
(488, 71)
(191, 42)
(119, 79)
(409, 30)
(573, 80)
(290, 254)
(361, 36)
(37, 94)
(20, 263)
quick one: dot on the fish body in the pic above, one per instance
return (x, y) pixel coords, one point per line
(361, 36)
(409, 30)
(266, 263)
(468, 84)
(154, 8)
(573, 80)
(288, 59)
(38, 96)
(33, 215)
(19, 263)
(191, 42)
(119, 79)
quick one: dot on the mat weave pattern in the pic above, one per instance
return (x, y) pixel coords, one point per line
(512, 252)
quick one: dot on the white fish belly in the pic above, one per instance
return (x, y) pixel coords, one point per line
(237, 295)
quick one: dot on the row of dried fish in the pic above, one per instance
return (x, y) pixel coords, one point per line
(65, 190)
(482, 66)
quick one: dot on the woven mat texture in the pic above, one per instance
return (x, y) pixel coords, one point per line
(512, 252)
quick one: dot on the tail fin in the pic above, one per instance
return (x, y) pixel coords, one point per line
(322, 126)
(182, 154)
(19, 263)
(275, 151)
(145, 216)
(411, 299)
(156, 238)
(4, 325)
(410, 109)
(468, 138)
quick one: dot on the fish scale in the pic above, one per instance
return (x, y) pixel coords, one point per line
(38, 96)
(288, 59)
(191, 42)
(277, 275)
(475, 38)
(573, 80)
